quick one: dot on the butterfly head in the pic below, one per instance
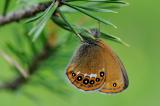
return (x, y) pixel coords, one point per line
(95, 32)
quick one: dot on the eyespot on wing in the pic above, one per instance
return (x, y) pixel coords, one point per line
(85, 81)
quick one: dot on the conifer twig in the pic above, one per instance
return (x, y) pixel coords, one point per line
(12, 62)
(32, 68)
(23, 14)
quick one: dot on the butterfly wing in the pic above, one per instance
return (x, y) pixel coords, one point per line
(116, 79)
(96, 66)
(87, 68)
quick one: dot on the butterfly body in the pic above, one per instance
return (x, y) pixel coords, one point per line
(96, 67)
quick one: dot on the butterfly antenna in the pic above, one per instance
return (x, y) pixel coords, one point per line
(99, 26)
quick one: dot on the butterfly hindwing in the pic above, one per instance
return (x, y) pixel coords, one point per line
(116, 79)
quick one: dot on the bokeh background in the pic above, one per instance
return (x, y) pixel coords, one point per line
(138, 25)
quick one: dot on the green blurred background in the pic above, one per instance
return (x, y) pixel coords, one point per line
(138, 24)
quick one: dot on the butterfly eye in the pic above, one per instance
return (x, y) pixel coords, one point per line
(92, 82)
(86, 81)
(101, 74)
(114, 84)
(97, 79)
(79, 78)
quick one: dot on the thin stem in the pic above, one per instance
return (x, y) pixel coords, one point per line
(32, 68)
(63, 17)
(23, 14)
(14, 63)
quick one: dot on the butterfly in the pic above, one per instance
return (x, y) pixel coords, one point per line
(96, 67)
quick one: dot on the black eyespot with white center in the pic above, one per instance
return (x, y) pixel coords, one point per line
(92, 82)
(73, 74)
(101, 74)
(97, 79)
(86, 81)
(79, 78)
(114, 84)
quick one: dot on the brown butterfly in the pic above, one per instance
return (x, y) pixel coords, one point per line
(96, 67)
